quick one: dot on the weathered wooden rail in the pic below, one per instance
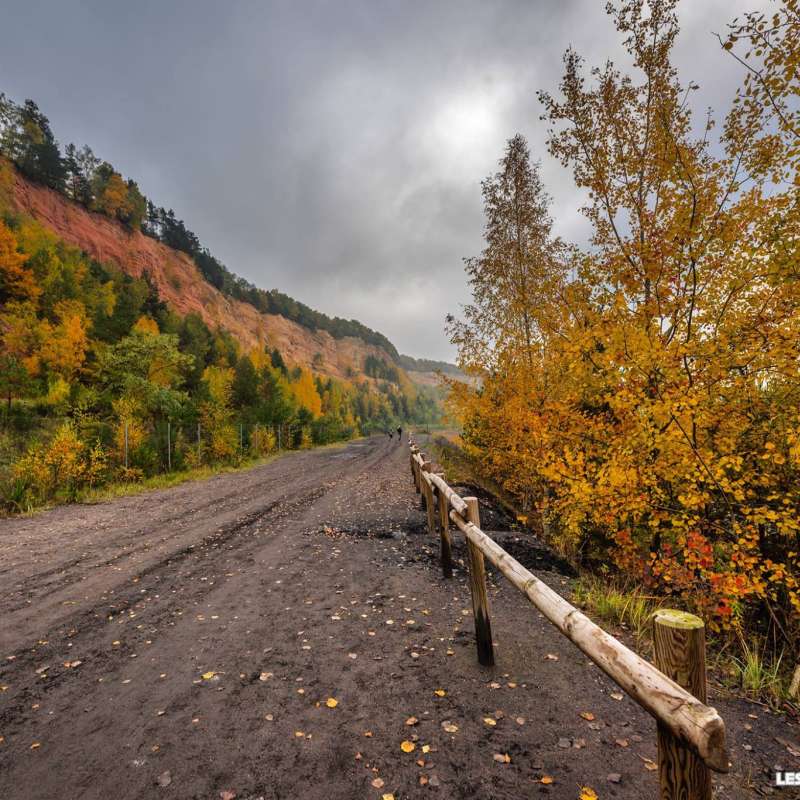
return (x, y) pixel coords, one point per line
(691, 734)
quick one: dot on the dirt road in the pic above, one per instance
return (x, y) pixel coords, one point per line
(185, 644)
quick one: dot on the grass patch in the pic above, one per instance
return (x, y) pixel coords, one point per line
(111, 491)
(626, 607)
(757, 677)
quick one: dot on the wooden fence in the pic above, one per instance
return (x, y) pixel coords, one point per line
(690, 734)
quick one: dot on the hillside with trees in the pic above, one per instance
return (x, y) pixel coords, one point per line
(128, 351)
(27, 140)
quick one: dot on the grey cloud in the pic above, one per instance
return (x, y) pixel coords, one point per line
(331, 149)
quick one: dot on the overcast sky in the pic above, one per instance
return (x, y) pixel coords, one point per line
(333, 150)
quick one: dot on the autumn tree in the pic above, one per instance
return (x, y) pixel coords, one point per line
(666, 442)
(65, 343)
(17, 282)
(767, 46)
(20, 346)
(305, 393)
(215, 412)
(516, 278)
(110, 192)
(149, 367)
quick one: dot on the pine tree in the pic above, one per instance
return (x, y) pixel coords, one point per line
(38, 155)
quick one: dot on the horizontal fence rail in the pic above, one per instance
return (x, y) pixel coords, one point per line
(691, 734)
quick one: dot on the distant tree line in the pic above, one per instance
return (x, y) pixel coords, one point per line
(427, 365)
(27, 139)
(378, 368)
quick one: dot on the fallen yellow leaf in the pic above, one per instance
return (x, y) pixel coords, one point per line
(490, 722)
(207, 676)
(588, 794)
(587, 715)
(450, 727)
(546, 779)
(331, 702)
(407, 747)
(439, 692)
(387, 797)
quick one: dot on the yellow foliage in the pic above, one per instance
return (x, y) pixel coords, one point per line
(129, 413)
(57, 391)
(64, 344)
(304, 391)
(224, 442)
(643, 396)
(220, 384)
(146, 324)
(21, 335)
(262, 441)
(63, 466)
(259, 358)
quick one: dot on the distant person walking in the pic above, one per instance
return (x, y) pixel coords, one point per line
(399, 434)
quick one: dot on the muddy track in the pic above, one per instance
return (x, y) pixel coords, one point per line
(183, 644)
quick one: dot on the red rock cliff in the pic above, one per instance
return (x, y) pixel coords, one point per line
(181, 285)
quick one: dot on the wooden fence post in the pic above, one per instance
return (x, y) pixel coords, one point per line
(444, 535)
(427, 497)
(680, 653)
(430, 494)
(440, 501)
(480, 599)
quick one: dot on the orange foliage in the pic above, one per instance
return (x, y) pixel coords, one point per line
(16, 282)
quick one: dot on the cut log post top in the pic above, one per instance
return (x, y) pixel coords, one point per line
(680, 653)
(689, 719)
